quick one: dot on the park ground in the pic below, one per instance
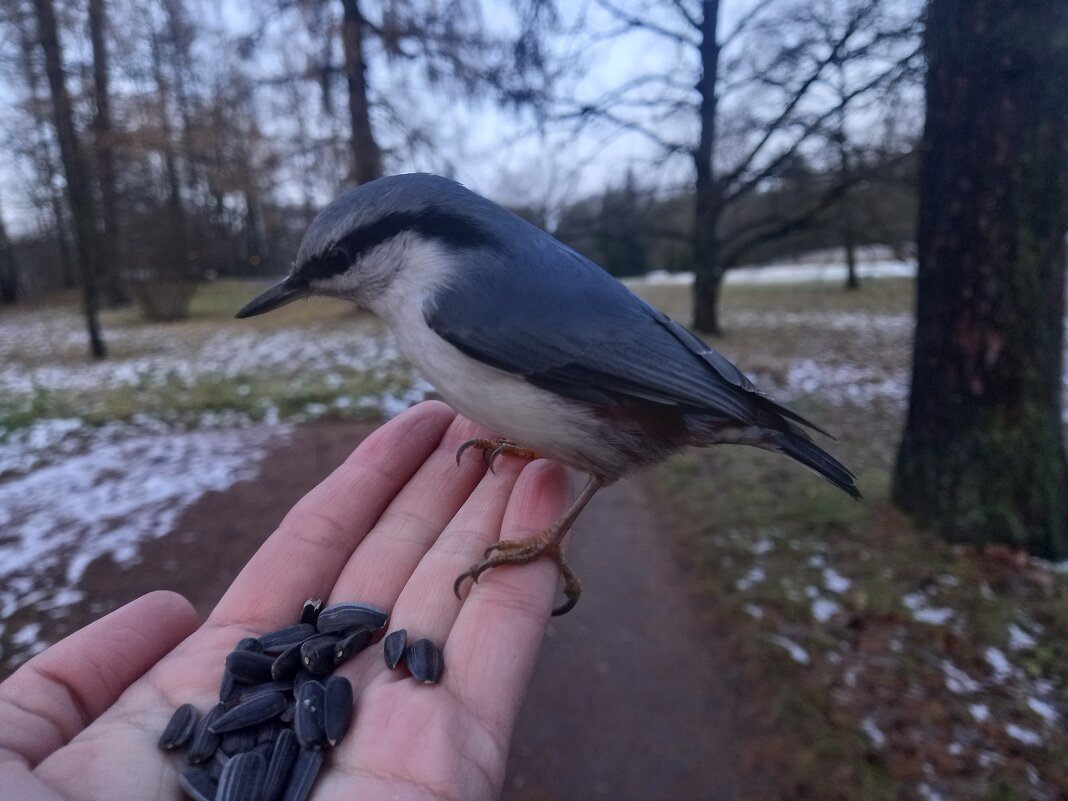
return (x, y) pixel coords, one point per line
(745, 627)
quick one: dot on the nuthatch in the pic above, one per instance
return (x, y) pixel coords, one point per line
(524, 335)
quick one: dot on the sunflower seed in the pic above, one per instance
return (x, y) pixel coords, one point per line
(308, 720)
(284, 686)
(249, 667)
(303, 776)
(286, 664)
(257, 709)
(237, 742)
(268, 732)
(425, 661)
(251, 644)
(229, 688)
(310, 613)
(280, 639)
(393, 646)
(242, 778)
(205, 741)
(197, 784)
(351, 645)
(343, 617)
(317, 653)
(337, 708)
(280, 765)
(179, 728)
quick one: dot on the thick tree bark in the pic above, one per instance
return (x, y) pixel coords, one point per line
(9, 274)
(110, 266)
(982, 458)
(366, 155)
(79, 191)
(708, 265)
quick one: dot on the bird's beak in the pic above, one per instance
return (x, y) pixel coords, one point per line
(285, 291)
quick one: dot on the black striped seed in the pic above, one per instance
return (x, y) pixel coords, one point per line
(283, 757)
(425, 661)
(393, 647)
(242, 778)
(257, 709)
(317, 653)
(287, 663)
(198, 784)
(348, 616)
(310, 612)
(180, 728)
(337, 708)
(205, 741)
(249, 667)
(303, 776)
(308, 720)
(281, 639)
(349, 646)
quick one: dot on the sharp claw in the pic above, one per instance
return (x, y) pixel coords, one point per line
(565, 607)
(460, 582)
(479, 570)
(461, 449)
(493, 457)
(495, 547)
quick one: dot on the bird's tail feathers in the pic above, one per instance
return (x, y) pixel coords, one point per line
(804, 450)
(788, 439)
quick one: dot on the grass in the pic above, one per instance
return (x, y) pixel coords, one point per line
(886, 614)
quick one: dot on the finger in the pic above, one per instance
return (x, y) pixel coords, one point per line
(307, 553)
(494, 643)
(427, 606)
(62, 690)
(384, 561)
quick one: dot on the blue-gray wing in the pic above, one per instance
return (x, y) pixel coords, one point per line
(557, 319)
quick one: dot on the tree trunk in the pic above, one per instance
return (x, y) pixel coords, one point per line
(83, 208)
(366, 155)
(111, 265)
(9, 274)
(708, 267)
(982, 458)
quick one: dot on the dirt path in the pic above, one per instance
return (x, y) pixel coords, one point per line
(633, 697)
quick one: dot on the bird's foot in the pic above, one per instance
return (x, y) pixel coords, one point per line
(493, 448)
(519, 552)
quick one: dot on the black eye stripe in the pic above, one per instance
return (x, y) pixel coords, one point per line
(445, 227)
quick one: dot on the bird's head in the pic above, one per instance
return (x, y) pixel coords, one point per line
(356, 246)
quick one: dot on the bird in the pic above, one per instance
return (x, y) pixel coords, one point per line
(524, 335)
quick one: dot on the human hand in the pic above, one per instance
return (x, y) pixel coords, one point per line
(393, 526)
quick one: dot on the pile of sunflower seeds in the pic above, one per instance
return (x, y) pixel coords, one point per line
(279, 708)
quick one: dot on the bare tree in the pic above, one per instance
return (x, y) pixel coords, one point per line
(9, 274)
(982, 458)
(79, 189)
(711, 107)
(110, 263)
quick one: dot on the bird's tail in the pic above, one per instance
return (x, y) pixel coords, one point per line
(798, 446)
(786, 438)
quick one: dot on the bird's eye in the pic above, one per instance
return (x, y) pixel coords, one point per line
(334, 262)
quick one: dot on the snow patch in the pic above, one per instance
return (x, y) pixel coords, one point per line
(873, 732)
(957, 681)
(916, 602)
(797, 653)
(57, 519)
(755, 576)
(1025, 736)
(824, 609)
(835, 581)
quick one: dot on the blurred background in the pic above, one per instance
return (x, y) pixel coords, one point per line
(862, 203)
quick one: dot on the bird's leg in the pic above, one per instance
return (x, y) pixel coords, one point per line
(492, 448)
(547, 543)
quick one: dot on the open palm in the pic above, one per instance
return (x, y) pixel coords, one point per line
(393, 526)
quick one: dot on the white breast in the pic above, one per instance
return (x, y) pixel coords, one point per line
(509, 406)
